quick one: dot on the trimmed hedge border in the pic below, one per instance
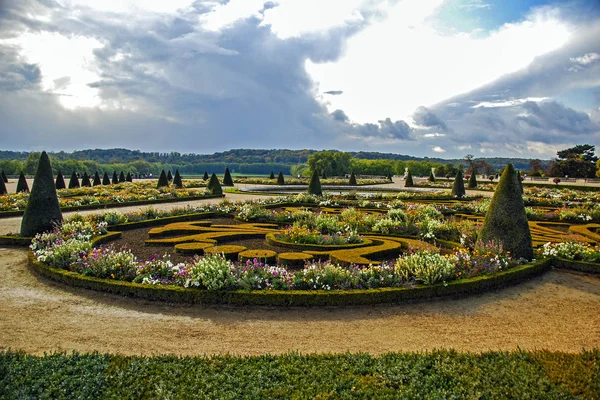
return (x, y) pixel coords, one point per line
(271, 239)
(581, 266)
(8, 240)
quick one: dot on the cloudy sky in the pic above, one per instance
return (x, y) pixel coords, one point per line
(437, 78)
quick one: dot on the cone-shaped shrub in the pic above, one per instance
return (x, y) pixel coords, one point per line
(324, 176)
(4, 178)
(409, 180)
(227, 181)
(389, 176)
(2, 187)
(458, 189)
(520, 180)
(105, 179)
(506, 221)
(314, 187)
(85, 180)
(42, 212)
(162, 180)
(352, 179)
(74, 181)
(272, 176)
(214, 187)
(431, 177)
(177, 180)
(169, 176)
(115, 178)
(205, 177)
(128, 178)
(22, 185)
(60, 181)
(472, 180)
(97, 180)
(121, 177)
(280, 179)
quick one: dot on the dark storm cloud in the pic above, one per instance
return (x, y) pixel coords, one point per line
(423, 117)
(556, 118)
(340, 115)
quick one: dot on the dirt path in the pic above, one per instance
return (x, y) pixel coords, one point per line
(558, 311)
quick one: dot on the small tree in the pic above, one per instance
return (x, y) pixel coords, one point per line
(280, 179)
(409, 180)
(214, 187)
(506, 220)
(162, 180)
(43, 211)
(97, 180)
(128, 178)
(3, 190)
(177, 180)
(22, 185)
(74, 181)
(205, 177)
(314, 186)
(472, 180)
(169, 176)
(85, 180)
(115, 178)
(105, 179)
(227, 181)
(121, 177)
(272, 176)
(352, 180)
(431, 177)
(4, 178)
(60, 181)
(458, 189)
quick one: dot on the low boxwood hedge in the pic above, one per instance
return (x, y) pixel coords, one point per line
(271, 238)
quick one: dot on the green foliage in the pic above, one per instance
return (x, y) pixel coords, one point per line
(177, 180)
(214, 187)
(352, 180)
(458, 188)
(314, 187)
(74, 181)
(506, 220)
(431, 177)
(2, 187)
(169, 176)
(4, 178)
(330, 163)
(85, 180)
(280, 179)
(272, 176)
(205, 177)
(472, 180)
(227, 181)
(121, 177)
(97, 180)
(60, 181)
(22, 185)
(162, 180)
(105, 179)
(115, 178)
(42, 212)
(409, 180)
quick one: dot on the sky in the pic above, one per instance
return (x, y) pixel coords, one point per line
(427, 78)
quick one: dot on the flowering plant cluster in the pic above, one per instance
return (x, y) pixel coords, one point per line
(485, 258)
(303, 235)
(570, 251)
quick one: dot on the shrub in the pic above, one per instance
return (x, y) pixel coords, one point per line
(266, 256)
(506, 219)
(352, 180)
(431, 177)
(42, 212)
(227, 181)
(97, 180)
(280, 179)
(60, 181)
(169, 176)
(205, 177)
(107, 263)
(161, 271)
(409, 180)
(458, 188)
(74, 181)
(177, 180)
(314, 187)
(4, 178)
(22, 185)
(214, 187)
(115, 178)
(85, 180)
(293, 259)
(2, 187)
(571, 251)
(324, 176)
(472, 180)
(162, 180)
(105, 179)
(128, 178)
(121, 177)
(209, 272)
(272, 176)
(425, 267)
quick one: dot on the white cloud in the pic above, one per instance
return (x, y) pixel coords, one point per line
(129, 6)
(438, 149)
(586, 59)
(224, 15)
(434, 135)
(507, 103)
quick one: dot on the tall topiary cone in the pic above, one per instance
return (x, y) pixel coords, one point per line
(42, 212)
(324, 176)
(97, 180)
(177, 180)
(506, 221)
(22, 185)
(2, 187)
(227, 181)
(121, 177)
(105, 179)
(214, 187)
(409, 180)
(520, 180)
(115, 178)
(431, 177)
(272, 176)
(128, 178)
(4, 178)
(169, 176)
(472, 180)
(85, 180)
(458, 189)
(74, 181)
(280, 179)
(60, 181)
(314, 187)
(162, 180)
(352, 180)
(205, 177)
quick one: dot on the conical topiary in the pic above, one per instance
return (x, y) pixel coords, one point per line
(121, 177)
(472, 180)
(60, 181)
(314, 187)
(409, 180)
(115, 178)
(42, 212)
(74, 181)
(105, 179)
(128, 178)
(389, 176)
(324, 176)
(169, 176)
(431, 177)
(85, 180)
(205, 177)
(177, 180)
(3, 190)
(520, 180)
(458, 189)
(162, 180)
(272, 176)
(97, 180)
(4, 178)
(214, 187)
(22, 185)
(280, 179)
(506, 220)
(227, 181)
(352, 179)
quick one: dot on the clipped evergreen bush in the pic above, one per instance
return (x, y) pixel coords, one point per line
(43, 211)
(162, 180)
(2, 187)
(105, 179)
(129, 178)
(506, 221)
(205, 177)
(352, 180)
(227, 181)
(4, 178)
(121, 177)
(389, 176)
(272, 176)
(60, 181)
(169, 176)
(115, 178)
(85, 180)
(409, 180)
(177, 180)
(74, 181)
(22, 185)
(458, 188)
(520, 180)
(280, 179)
(472, 180)
(324, 176)
(431, 177)
(97, 180)
(214, 187)
(314, 187)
